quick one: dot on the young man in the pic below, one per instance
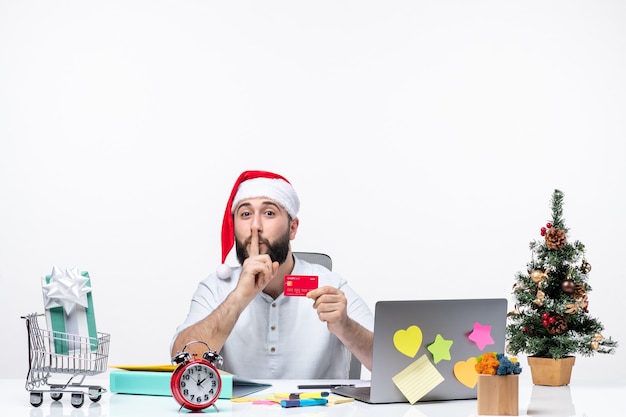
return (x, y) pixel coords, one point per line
(243, 314)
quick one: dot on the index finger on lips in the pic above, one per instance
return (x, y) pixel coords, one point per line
(254, 243)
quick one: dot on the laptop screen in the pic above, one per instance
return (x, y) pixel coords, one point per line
(425, 350)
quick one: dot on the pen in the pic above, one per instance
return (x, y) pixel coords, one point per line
(303, 402)
(299, 395)
(322, 386)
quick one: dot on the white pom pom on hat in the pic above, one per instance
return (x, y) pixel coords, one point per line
(252, 184)
(223, 271)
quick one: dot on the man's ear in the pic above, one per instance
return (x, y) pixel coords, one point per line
(293, 228)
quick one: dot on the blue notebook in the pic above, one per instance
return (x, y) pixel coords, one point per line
(155, 380)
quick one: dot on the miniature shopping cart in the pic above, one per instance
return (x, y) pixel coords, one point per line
(70, 355)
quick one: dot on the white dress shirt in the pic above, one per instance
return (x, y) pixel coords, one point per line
(280, 338)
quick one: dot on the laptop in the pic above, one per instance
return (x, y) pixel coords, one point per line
(435, 343)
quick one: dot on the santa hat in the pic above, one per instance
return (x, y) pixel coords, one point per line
(253, 184)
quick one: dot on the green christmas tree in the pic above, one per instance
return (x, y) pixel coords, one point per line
(552, 317)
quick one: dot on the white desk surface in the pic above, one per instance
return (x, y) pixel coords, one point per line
(577, 399)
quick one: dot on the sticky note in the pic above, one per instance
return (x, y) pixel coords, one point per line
(465, 372)
(440, 349)
(408, 341)
(338, 399)
(417, 379)
(481, 335)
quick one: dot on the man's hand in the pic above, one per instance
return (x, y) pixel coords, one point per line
(332, 308)
(257, 271)
(331, 305)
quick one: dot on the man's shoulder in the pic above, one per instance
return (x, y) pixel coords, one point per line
(326, 276)
(303, 267)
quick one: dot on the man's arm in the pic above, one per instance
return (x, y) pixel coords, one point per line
(213, 329)
(257, 271)
(358, 340)
(331, 305)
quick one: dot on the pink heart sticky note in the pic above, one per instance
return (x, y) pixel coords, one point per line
(408, 341)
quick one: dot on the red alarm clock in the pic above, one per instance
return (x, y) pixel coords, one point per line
(196, 383)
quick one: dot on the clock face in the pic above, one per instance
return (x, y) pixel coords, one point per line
(196, 385)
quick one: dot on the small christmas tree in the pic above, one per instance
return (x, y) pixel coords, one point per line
(551, 317)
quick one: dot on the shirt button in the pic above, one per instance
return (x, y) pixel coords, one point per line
(273, 304)
(273, 327)
(273, 349)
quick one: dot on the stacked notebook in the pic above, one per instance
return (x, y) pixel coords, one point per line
(155, 380)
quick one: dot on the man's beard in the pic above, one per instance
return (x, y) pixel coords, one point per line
(277, 251)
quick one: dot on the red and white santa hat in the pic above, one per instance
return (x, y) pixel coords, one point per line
(253, 184)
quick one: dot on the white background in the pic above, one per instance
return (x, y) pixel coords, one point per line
(425, 139)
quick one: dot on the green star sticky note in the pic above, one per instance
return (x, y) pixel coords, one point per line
(440, 349)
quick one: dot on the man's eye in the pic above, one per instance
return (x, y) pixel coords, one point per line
(269, 213)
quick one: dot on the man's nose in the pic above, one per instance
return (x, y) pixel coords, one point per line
(257, 223)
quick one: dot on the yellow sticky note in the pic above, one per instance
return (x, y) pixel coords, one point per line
(338, 399)
(408, 341)
(418, 379)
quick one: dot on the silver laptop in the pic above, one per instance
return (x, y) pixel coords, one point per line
(463, 329)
